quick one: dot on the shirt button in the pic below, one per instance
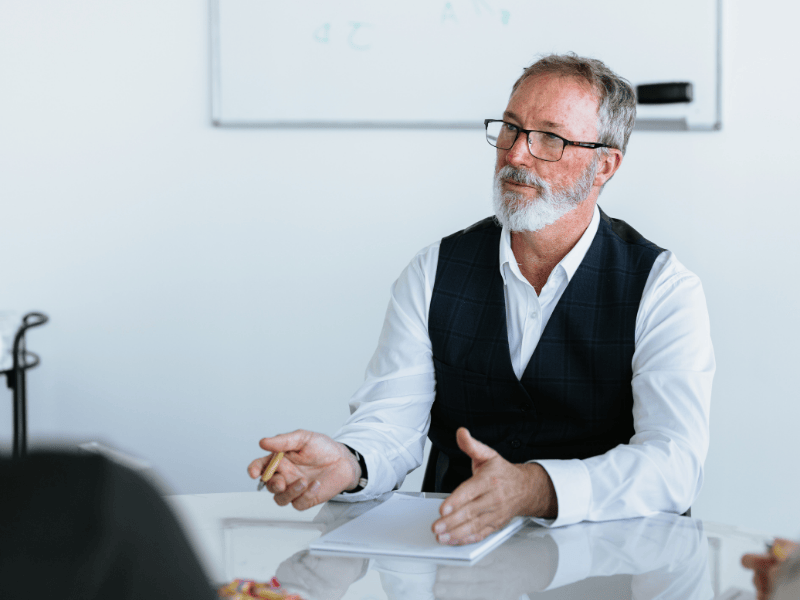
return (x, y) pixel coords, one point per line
(515, 444)
(534, 314)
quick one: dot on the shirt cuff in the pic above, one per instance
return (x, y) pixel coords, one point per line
(375, 486)
(573, 491)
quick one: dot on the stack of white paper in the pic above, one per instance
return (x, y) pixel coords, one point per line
(401, 526)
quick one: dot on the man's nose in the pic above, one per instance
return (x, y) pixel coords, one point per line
(519, 154)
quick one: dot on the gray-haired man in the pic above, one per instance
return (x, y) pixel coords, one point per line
(575, 350)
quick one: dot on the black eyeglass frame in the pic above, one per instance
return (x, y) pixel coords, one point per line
(527, 132)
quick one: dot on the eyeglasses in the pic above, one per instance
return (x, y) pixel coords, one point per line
(541, 144)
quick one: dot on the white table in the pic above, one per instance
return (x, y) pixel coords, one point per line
(246, 535)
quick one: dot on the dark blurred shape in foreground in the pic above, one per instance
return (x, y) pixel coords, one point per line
(81, 526)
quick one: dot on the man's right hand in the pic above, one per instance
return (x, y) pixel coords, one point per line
(314, 469)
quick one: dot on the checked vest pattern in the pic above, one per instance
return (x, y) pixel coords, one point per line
(574, 399)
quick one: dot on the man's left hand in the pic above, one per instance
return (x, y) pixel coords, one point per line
(497, 492)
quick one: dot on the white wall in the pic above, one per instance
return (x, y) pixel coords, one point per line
(207, 287)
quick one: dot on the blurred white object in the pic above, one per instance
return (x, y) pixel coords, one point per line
(132, 462)
(141, 466)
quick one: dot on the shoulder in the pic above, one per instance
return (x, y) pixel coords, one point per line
(418, 278)
(673, 329)
(622, 249)
(477, 244)
(489, 225)
(424, 261)
(624, 234)
(423, 266)
(669, 277)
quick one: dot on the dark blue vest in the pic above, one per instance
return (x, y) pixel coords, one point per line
(574, 399)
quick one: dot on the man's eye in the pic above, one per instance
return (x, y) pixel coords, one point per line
(510, 127)
(550, 139)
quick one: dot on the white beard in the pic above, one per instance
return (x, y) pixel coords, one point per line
(517, 213)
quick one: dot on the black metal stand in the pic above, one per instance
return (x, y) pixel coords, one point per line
(15, 379)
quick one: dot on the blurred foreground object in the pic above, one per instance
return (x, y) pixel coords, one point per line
(778, 569)
(243, 589)
(87, 528)
(14, 361)
(787, 582)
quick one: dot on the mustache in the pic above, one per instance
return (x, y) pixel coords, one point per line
(509, 173)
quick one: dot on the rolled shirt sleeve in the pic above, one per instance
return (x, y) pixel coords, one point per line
(661, 468)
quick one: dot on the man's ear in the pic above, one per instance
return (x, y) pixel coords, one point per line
(607, 165)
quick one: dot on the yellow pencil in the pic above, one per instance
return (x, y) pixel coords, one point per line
(270, 470)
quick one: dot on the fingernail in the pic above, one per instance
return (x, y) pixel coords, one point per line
(315, 486)
(440, 528)
(298, 486)
(447, 510)
(444, 538)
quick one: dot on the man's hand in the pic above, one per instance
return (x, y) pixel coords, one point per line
(314, 469)
(497, 492)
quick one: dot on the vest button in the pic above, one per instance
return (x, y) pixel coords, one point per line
(515, 444)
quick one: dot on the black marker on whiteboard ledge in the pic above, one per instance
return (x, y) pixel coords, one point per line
(664, 93)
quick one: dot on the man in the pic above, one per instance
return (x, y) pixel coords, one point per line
(575, 351)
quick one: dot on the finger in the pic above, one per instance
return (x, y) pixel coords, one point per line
(466, 520)
(477, 451)
(470, 533)
(255, 468)
(292, 491)
(761, 584)
(763, 587)
(465, 493)
(757, 561)
(310, 498)
(285, 475)
(770, 576)
(286, 442)
(276, 484)
(468, 512)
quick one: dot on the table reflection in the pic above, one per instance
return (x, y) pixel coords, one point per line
(662, 557)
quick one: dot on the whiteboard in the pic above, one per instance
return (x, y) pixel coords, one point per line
(433, 63)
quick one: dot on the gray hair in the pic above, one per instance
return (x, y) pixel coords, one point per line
(616, 102)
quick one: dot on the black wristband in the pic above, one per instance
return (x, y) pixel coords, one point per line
(362, 482)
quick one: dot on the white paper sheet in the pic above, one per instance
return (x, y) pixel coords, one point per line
(401, 526)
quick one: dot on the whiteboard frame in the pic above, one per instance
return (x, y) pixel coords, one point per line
(679, 124)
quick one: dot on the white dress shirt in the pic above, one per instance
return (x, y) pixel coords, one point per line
(660, 469)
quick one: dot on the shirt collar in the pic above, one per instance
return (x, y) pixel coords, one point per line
(569, 264)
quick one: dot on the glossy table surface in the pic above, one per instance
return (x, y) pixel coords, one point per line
(246, 535)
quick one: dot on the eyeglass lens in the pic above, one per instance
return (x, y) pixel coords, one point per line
(541, 144)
